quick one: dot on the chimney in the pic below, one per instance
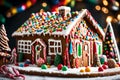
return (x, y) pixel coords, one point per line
(64, 11)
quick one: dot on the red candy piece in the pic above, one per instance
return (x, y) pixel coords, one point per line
(25, 65)
(105, 66)
(100, 69)
(105, 63)
(59, 67)
(16, 64)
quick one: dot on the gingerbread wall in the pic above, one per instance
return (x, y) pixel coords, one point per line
(45, 39)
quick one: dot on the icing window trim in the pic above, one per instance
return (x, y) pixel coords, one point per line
(56, 46)
(24, 46)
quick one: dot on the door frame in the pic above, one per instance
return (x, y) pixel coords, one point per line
(42, 43)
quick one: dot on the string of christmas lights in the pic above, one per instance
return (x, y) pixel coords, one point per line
(111, 8)
(14, 10)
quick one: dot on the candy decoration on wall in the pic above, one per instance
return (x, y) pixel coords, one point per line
(77, 62)
(110, 46)
(70, 47)
(33, 54)
(103, 59)
(13, 56)
(14, 10)
(20, 56)
(40, 61)
(96, 58)
(57, 60)
(67, 55)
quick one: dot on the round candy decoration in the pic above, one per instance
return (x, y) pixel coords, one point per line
(105, 63)
(100, 69)
(87, 69)
(111, 63)
(59, 67)
(82, 70)
(21, 65)
(105, 66)
(44, 66)
(64, 68)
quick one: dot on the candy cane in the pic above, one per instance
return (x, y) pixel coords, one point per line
(15, 60)
(17, 74)
(32, 54)
(11, 72)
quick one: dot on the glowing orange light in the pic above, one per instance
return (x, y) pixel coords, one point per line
(105, 2)
(118, 17)
(97, 7)
(44, 4)
(105, 10)
(117, 3)
(109, 19)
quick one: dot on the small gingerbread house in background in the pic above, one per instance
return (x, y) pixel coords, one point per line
(74, 39)
(4, 47)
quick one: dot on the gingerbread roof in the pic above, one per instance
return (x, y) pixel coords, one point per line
(55, 24)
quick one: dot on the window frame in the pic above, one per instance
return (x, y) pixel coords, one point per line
(24, 46)
(57, 44)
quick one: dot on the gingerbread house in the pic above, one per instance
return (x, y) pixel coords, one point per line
(75, 36)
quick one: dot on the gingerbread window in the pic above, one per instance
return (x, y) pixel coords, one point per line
(24, 46)
(55, 47)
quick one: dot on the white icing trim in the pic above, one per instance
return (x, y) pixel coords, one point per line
(24, 46)
(55, 46)
(40, 41)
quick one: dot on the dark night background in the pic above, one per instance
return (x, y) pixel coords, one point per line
(12, 23)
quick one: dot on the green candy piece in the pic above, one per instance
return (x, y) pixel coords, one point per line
(64, 68)
(44, 66)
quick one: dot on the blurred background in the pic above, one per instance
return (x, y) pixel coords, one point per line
(13, 13)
